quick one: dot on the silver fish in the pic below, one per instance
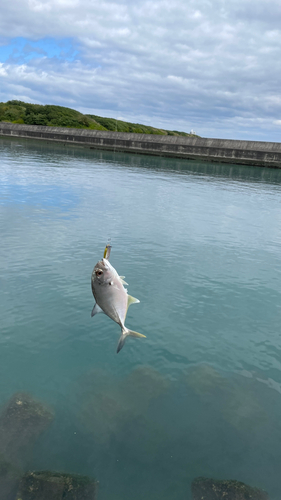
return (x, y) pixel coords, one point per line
(111, 297)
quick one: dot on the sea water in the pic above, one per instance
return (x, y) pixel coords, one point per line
(200, 245)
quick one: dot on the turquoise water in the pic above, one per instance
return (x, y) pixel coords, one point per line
(199, 244)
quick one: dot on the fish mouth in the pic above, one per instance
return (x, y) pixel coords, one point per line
(104, 263)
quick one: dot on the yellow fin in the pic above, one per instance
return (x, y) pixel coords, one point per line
(125, 333)
(136, 334)
(132, 300)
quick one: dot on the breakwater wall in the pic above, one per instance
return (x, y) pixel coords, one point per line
(263, 154)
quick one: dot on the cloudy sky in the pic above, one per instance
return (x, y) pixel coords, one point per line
(211, 66)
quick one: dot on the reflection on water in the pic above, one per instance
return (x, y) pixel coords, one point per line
(199, 244)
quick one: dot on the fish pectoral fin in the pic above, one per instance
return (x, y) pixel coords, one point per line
(96, 309)
(126, 333)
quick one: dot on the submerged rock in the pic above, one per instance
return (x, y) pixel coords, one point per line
(210, 489)
(9, 480)
(109, 406)
(204, 380)
(22, 420)
(143, 385)
(102, 415)
(235, 398)
(242, 408)
(47, 485)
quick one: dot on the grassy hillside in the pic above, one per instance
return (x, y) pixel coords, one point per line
(58, 116)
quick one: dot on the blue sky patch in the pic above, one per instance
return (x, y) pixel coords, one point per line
(21, 50)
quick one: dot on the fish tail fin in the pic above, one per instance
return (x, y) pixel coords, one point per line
(125, 333)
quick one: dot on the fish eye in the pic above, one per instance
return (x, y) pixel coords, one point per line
(99, 272)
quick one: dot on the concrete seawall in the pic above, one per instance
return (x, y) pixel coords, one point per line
(263, 154)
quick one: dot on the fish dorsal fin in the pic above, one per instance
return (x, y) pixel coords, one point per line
(122, 280)
(131, 300)
(96, 309)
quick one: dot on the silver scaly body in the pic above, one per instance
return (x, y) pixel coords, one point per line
(111, 297)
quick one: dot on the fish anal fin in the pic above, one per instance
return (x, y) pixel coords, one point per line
(96, 310)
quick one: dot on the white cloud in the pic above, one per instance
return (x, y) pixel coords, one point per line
(3, 71)
(212, 66)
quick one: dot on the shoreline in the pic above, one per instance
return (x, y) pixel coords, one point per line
(239, 152)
